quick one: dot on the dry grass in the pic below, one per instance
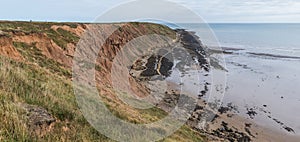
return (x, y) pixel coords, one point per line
(23, 83)
(44, 83)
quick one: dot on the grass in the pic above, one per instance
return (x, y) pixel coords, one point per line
(12, 126)
(46, 83)
(31, 27)
(24, 83)
(156, 29)
(34, 55)
(185, 134)
(62, 37)
(136, 116)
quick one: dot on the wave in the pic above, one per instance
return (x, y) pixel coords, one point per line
(274, 55)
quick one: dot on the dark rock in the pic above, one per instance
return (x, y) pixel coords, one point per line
(166, 65)
(223, 110)
(289, 129)
(39, 119)
(248, 125)
(150, 67)
(244, 139)
(249, 132)
(251, 113)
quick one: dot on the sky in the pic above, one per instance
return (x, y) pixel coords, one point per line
(212, 11)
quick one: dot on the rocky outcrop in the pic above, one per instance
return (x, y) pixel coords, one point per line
(39, 120)
(7, 49)
(52, 47)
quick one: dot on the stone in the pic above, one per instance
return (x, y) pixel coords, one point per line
(40, 120)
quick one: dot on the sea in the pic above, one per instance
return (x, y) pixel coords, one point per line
(263, 70)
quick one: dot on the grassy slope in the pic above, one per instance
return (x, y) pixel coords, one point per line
(46, 83)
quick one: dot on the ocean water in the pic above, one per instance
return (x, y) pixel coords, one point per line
(283, 39)
(267, 81)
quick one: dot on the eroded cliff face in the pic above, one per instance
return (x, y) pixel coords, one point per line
(57, 41)
(37, 100)
(36, 70)
(38, 42)
(36, 90)
(120, 49)
(7, 49)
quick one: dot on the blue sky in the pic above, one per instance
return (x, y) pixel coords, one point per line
(232, 11)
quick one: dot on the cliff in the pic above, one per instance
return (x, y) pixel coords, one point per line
(36, 94)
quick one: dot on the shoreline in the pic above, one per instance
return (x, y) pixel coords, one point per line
(259, 102)
(223, 125)
(226, 124)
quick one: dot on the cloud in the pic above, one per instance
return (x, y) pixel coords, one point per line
(246, 10)
(210, 10)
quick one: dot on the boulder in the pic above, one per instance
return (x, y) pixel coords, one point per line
(40, 121)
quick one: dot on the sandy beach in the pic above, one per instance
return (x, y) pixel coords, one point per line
(246, 113)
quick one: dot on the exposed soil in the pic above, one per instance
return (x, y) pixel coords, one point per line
(7, 49)
(225, 125)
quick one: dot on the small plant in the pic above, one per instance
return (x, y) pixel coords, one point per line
(62, 37)
(41, 81)
(33, 54)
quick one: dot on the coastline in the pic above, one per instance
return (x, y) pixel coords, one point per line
(227, 124)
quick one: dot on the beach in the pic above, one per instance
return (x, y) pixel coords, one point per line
(262, 63)
(244, 113)
(224, 92)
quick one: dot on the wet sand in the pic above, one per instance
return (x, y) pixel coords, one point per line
(264, 88)
(260, 103)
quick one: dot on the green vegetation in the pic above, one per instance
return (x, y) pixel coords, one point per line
(30, 84)
(185, 134)
(62, 37)
(43, 82)
(156, 29)
(144, 116)
(12, 126)
(31, 27)
(34, 55)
